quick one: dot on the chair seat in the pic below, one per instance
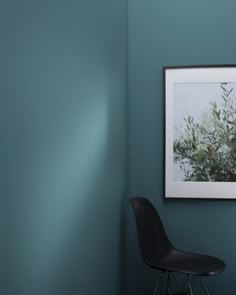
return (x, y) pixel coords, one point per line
(189, 263)
(158, 252)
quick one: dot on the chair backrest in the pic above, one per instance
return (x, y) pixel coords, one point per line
(153, 241)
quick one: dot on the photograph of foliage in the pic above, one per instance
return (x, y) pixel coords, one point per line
(204, 144)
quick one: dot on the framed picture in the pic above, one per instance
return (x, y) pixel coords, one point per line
(200, 132)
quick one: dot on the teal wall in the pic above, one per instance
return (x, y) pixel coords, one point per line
(166, 32)
(64, 151)
(64, 140)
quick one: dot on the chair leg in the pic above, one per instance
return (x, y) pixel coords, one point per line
(189, 281)
(166, 286)
(157, 284)
(204, 286)
(194, 283)
(190, 288)
(184, 284)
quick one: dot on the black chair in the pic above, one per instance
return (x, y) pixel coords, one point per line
(158, 252)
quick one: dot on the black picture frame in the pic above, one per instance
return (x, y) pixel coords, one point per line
(193, 95)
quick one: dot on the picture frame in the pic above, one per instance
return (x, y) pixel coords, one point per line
(200, 131)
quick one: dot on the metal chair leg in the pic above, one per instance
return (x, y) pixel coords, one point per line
(169, 275)
(157, 284)
(184, 285)
(194, 283)
(166, 286)
(190, 287)
(204, 286)
(191, 282)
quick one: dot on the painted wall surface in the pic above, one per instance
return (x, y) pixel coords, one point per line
(166, 32)
(63, 145)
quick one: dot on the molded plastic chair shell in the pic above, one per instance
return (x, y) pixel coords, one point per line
(158, 252)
